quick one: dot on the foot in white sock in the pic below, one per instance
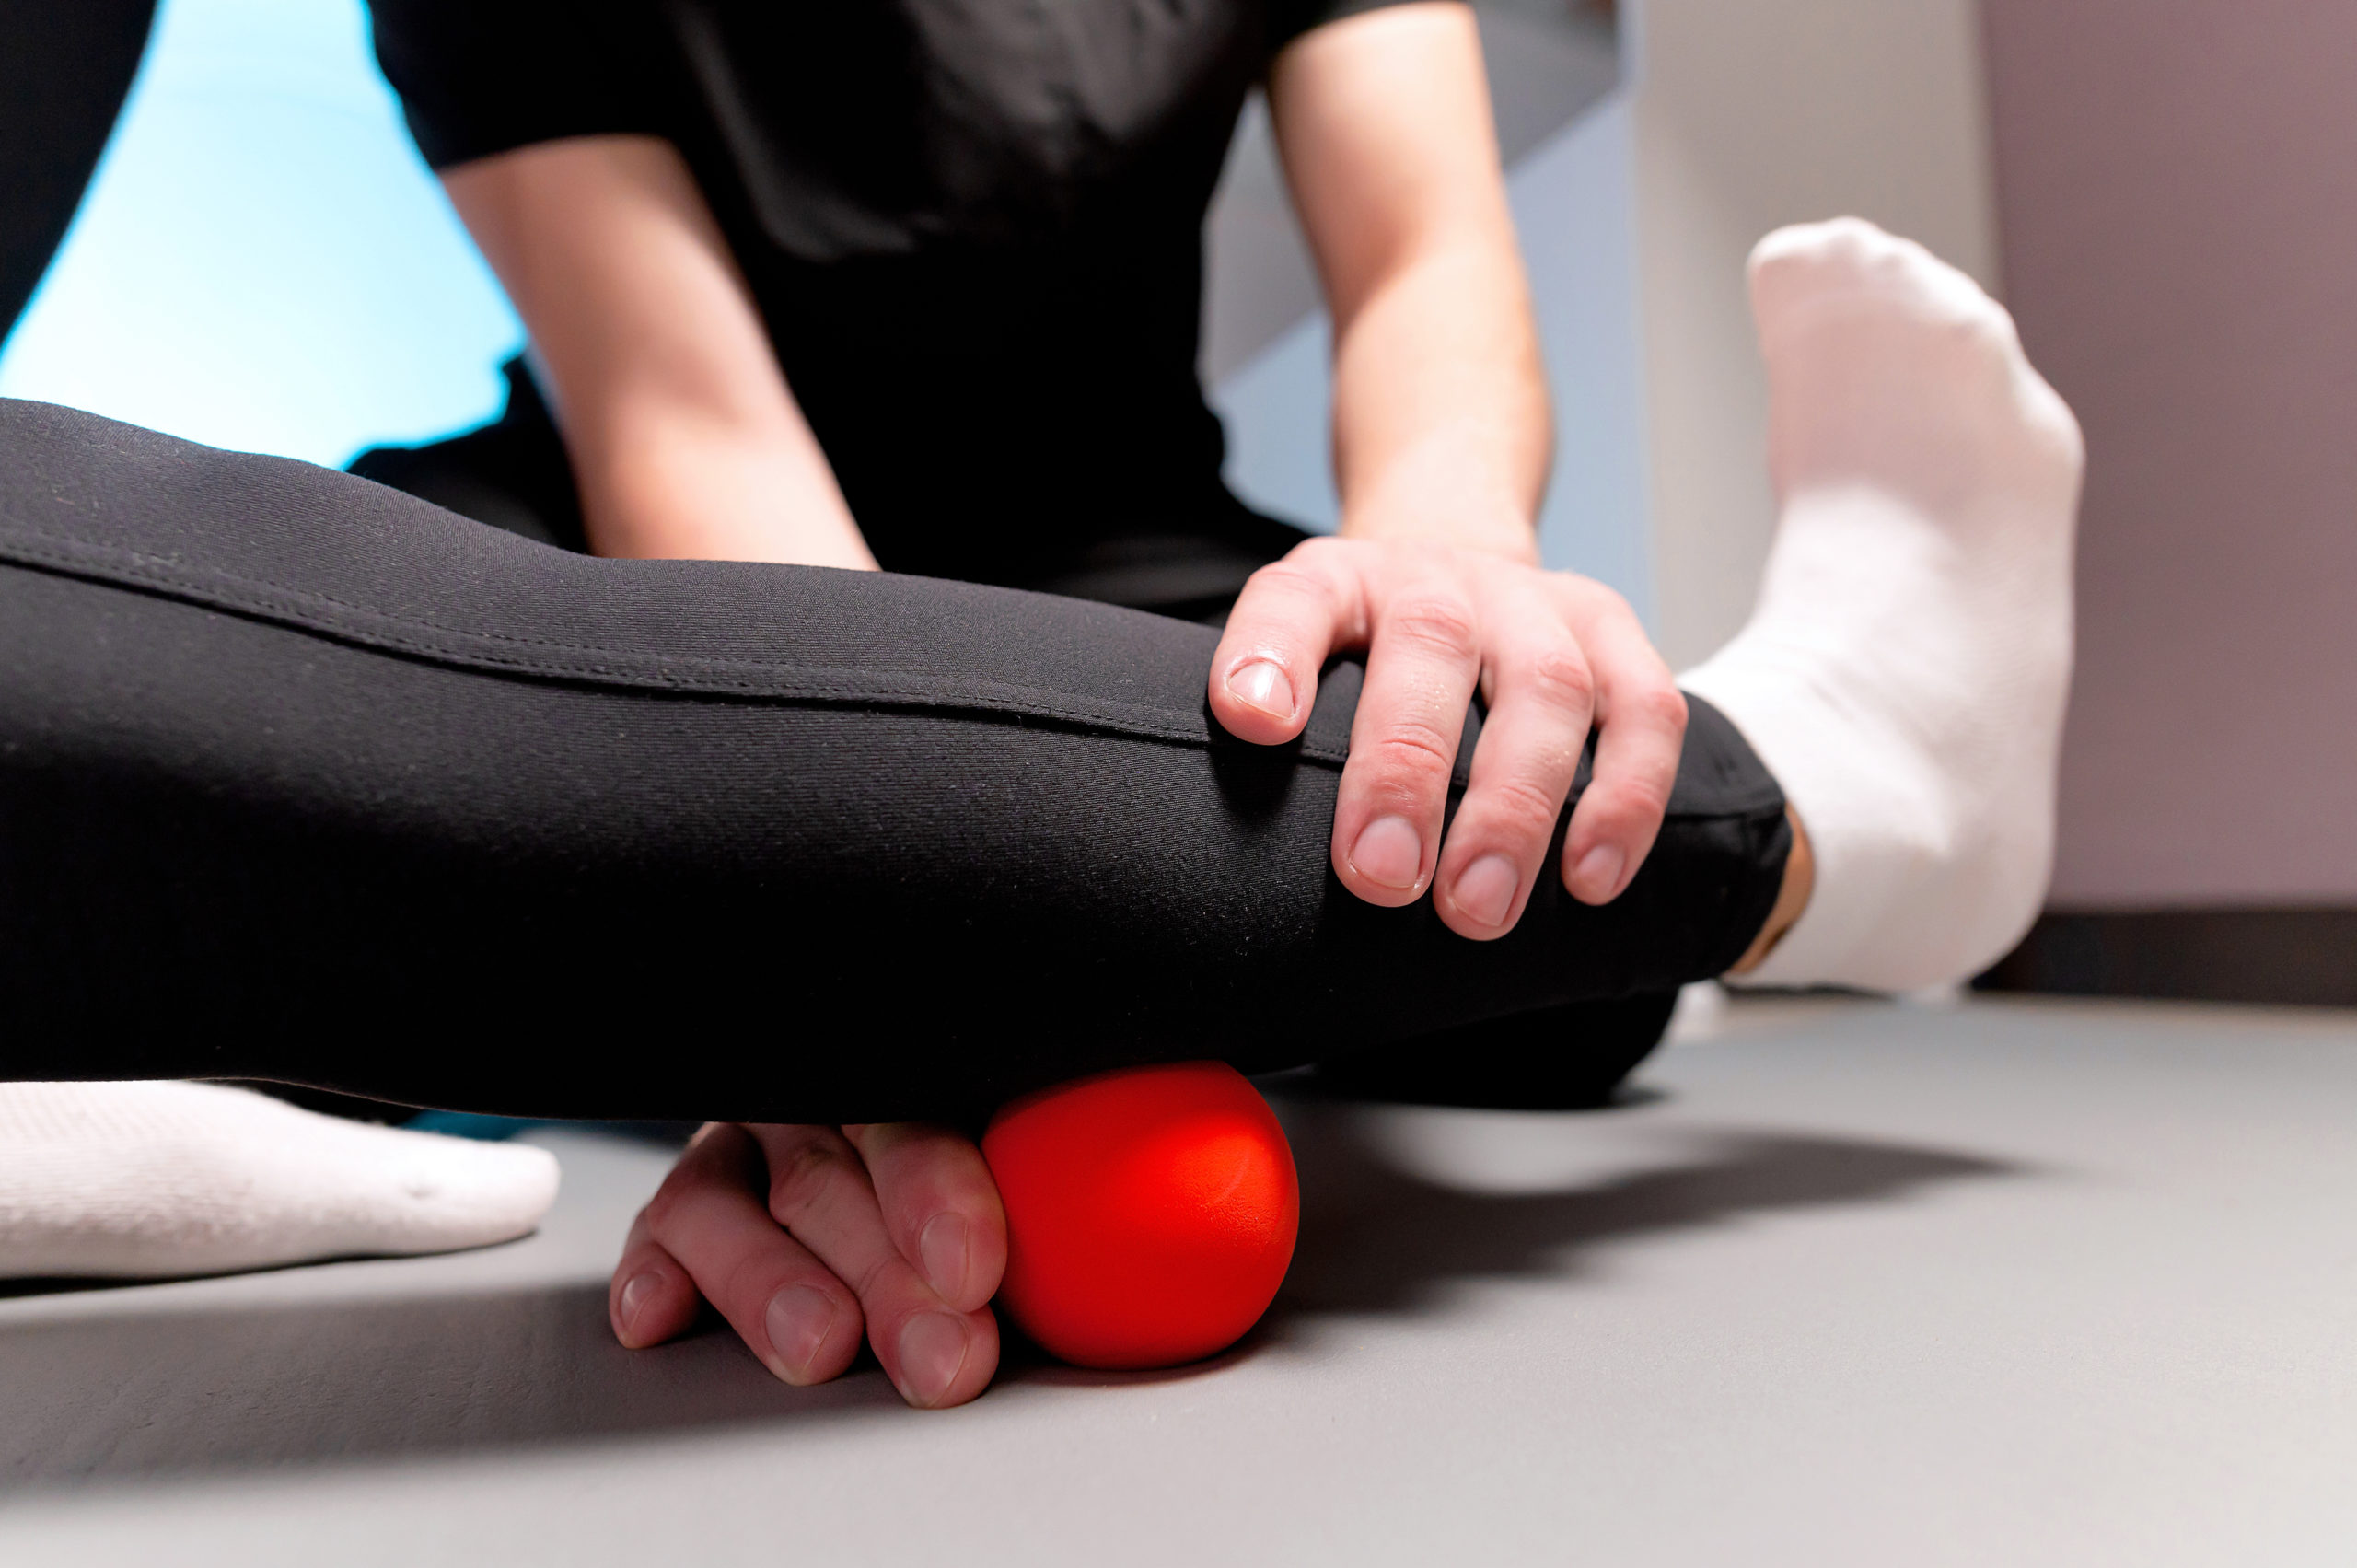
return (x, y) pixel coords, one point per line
(147, 1179)
(1904, 673)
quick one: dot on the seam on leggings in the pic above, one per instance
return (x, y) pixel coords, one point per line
(497, 653)
(692, 675)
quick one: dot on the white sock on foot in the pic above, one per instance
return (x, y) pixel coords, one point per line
(1904, 673)
(144, 1179)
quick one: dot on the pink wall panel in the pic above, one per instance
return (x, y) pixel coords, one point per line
(2178, 202)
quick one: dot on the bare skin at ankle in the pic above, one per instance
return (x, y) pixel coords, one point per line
(1792, 898)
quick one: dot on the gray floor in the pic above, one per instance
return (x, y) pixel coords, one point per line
(1852, 1284)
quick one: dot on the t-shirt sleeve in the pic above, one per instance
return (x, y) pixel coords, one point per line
(1289, 19)
(483, 76)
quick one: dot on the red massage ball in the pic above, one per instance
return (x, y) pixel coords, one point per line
(1149, 1213)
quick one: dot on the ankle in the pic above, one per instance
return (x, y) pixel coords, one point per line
(1792, 899)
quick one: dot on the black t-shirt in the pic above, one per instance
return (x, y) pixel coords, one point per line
(973, 228)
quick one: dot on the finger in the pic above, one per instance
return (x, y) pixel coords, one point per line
(820, 1191)
(1641, 719)
(940, 1206)
(1541, 702)
(1291, 614)
(651, 1297)
(1422, 664)
(787, 1307)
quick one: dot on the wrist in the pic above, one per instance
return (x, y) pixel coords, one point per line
(1504, 532)
(1448, 488)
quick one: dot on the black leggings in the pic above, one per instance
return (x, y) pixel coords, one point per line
(304, 779)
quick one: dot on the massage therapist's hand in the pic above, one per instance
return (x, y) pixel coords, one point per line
(804, 1238)
(1442, 440)
(1549, 653)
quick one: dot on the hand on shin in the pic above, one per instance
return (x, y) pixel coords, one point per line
(808, 1238)
(1552, 655)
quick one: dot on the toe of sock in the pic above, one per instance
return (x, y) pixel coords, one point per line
(442, 1192)
(150, 1180)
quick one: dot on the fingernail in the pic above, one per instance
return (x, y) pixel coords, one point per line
(634, 1294)
(1486, 891)
(799, 1320)
(943, 1243)
(1263, 686)
(932, 1349)
(1600, 871)
(1388, 852)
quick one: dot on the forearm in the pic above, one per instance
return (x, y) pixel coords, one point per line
(1441, 423)
(1442, 428)
(660, 477)
(685, 439)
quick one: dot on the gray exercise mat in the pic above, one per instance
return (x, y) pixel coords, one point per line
(2020, 1283)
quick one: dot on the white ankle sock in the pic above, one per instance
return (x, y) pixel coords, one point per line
(1904, 673)
(145, 1179)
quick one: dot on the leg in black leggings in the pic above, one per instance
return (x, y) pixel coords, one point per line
(513, 473)
(302, 778)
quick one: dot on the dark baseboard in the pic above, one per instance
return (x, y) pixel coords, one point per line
(2299, 957)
